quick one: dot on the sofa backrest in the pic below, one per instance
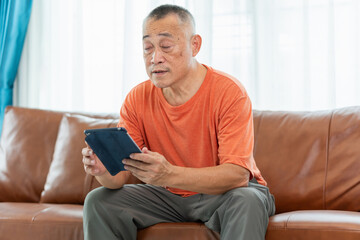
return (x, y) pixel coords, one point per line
(26, 147)
(311, 160)
(40, 155)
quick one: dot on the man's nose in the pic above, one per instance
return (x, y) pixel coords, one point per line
(157, 57)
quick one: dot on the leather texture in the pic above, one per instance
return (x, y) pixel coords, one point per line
(311, 161)
(314, 153)
(177, 231)
(65, 164)
(26, 148)
(24, 221)
(314, 224)
(290, 151)
(342, 186)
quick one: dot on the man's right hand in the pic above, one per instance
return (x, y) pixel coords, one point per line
(92, 164)
(94, 167)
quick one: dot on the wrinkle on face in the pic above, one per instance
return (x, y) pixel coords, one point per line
(167, 48)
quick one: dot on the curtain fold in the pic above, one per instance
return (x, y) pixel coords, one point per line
(14, 18)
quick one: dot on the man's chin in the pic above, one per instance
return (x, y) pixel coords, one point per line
(159, 83)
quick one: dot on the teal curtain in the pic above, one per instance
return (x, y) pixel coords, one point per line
(14, 19)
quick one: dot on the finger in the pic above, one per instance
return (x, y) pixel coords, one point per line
(135, 171)
(142, 157)
(87, 152)
(94, 171)
(136, 155)
(86, 167)
(89, 161)
(91, 170)
(134, 163)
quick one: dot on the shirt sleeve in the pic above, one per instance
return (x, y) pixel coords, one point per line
(235, 131)
(129, 120)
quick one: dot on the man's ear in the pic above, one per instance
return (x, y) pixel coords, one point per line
(195, 44)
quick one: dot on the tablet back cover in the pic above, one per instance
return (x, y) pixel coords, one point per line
(111, 145)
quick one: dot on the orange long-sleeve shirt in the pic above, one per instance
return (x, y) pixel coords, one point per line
(214, 127)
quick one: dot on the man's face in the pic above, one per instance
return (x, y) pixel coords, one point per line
(167, 50)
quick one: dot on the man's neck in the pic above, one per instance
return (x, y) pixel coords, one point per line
(183, 92)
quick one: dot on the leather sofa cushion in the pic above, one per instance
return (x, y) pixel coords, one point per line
(314, 224)
(178, 231)
(23, 221)
(343, 167)
(290, 151)
(26, 149)
(67, 181)
(64, 221)
(300, 225)
(311, 160)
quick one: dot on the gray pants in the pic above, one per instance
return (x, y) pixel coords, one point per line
(241, 213)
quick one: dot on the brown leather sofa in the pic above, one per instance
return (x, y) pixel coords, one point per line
(311, 161)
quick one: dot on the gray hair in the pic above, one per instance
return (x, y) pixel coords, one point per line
(166, 9)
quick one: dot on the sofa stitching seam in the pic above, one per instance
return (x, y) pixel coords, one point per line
(327, 159)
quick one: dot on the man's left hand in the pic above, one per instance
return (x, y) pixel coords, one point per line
(149, 167)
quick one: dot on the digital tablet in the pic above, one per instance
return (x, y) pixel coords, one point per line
(111, 145)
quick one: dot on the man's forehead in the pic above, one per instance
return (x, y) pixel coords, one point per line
(161, 34)
(168, 26)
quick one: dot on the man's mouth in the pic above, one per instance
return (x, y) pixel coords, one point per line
(159, 71)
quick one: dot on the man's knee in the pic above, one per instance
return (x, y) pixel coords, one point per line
(246, 198)
(93, 198)
(105, 199)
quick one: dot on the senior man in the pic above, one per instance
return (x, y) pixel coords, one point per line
(195, 128)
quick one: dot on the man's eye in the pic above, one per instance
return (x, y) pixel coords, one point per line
(166, 47)
(147, 49)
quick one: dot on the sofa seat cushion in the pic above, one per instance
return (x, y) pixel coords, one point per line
(178, 231)
(314, 224)
(40, 221)
(64, 221)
